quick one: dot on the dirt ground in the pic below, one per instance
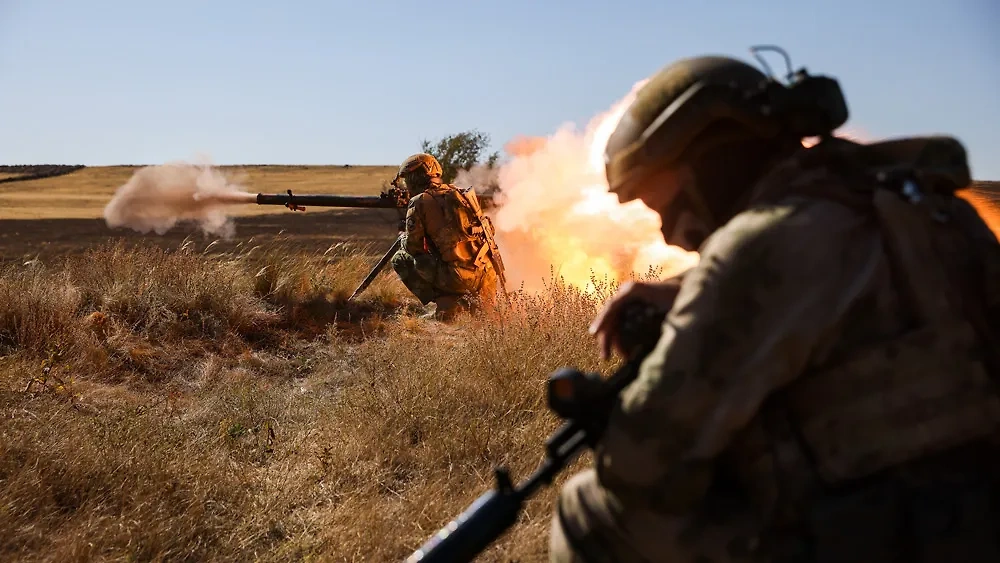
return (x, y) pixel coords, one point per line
(311, 231)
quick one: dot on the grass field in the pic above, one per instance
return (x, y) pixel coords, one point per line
(84, 193)
(173, 398)
(61, 215)
(178, 398)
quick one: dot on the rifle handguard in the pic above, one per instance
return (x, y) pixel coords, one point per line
(476, 527)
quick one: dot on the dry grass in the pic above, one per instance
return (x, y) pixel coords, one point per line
(168, 405)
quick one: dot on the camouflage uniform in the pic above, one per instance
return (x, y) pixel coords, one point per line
(824, 388)
(446, 256)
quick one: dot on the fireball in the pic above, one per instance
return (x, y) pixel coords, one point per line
(557, 216)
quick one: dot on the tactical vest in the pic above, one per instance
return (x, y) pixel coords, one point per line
(932, 386)
(455, 226)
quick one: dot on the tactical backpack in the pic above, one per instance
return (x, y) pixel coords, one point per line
(923, 392)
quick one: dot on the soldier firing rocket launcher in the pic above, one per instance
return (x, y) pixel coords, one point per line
(392, 198)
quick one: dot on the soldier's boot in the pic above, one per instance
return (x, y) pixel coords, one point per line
(430, 310)
(449, 306)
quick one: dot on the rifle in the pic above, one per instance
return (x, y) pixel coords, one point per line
(495, 252)
(378, 267)
(584, 401)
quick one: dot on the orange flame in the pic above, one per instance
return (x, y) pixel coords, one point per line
(556, 213)
(987, 204)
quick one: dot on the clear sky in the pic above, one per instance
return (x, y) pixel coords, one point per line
(310, 82)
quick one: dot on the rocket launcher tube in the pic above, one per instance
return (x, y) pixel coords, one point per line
(386, 200)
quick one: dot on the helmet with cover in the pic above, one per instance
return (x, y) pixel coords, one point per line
(703, 130)
(417, 172)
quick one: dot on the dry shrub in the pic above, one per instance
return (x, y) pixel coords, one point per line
(37, 308)
(275, 421)
(314, 291)
(124, 485)
(170, 295)
(145, 311)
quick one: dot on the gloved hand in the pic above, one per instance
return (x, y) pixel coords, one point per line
(607, 326)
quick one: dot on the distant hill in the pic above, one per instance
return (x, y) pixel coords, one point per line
(988, 187)
(22, 172)
(16, 173)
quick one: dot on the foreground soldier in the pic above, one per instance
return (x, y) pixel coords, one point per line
(447, 255)
(824, 388)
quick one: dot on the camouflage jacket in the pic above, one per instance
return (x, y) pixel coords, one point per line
(795, 301)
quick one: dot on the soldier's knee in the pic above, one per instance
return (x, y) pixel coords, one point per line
(403, 264)
(400, 258)
(570, 519)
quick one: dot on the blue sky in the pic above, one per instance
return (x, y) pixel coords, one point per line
(309, 82)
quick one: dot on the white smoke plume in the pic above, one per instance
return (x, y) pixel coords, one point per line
(157, 198)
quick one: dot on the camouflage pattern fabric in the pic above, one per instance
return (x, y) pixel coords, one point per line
(422, 277)
(429, 279)
(439, 255)
(784, 289)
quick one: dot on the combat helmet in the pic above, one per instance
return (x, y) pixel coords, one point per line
(715, 114)
(417, 171)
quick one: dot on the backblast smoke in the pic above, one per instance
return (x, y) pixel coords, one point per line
(158, 197)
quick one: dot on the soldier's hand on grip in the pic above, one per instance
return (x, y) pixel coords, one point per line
(607, 325)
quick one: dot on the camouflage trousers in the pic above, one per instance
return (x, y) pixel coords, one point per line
(947, 515)
(590, 525)
(431, 279)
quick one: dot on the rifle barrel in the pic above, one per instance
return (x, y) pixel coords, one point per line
(378, 267)
(328, 200)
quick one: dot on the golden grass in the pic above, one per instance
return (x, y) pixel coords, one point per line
(84, 193)
(168, 405)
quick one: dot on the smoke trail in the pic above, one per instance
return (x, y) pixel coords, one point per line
(158, 197)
